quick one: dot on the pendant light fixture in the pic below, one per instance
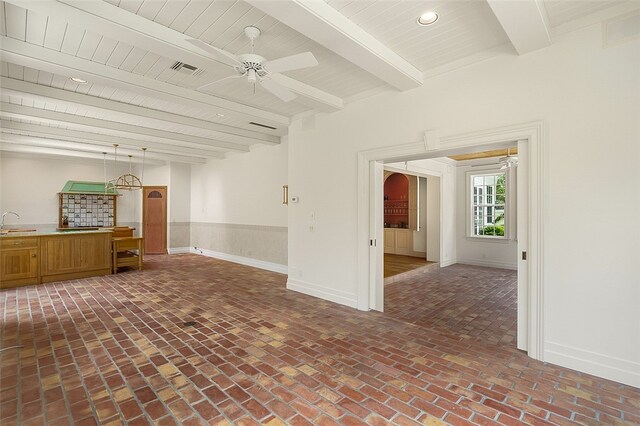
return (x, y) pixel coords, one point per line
(127, 181)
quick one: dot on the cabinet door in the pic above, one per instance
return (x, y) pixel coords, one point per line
(404, 242)
(19, 264)
(58, 255)
(389, 241)
(92, 252)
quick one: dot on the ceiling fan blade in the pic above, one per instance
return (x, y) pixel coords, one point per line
(219, 55)
(218, 82)
(278, 90)
(290, 63)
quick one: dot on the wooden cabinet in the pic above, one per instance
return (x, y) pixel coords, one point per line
(74, 255)
(401, 200)
(18, 262)
(400, 212)
(45, 258)
(389, 240)
(398, 241)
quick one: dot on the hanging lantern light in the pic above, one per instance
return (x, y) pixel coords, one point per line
(127, 181)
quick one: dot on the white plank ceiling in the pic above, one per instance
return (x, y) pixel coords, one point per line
(135, 94)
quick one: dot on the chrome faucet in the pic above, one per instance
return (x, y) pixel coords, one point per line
(6, 213)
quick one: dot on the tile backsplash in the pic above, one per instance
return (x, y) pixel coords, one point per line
(88, 210)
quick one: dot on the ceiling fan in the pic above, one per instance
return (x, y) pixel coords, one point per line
(509, 161)
(506, 162)
(256, 69)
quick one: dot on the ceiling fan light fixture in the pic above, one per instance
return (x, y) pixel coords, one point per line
(427, 18)
(508, 162)
(251, 76)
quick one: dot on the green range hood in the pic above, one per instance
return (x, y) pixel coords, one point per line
(91, 188)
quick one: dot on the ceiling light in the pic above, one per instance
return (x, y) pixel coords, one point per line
(427, 18)
(78, 80)
(220, 115)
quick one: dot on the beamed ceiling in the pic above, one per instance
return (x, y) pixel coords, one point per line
(127, 50)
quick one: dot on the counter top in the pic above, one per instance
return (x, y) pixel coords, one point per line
(4, 234)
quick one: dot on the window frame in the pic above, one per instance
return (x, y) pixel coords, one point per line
(469, 213)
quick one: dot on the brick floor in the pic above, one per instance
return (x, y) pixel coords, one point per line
(115, 350)
(468, 301)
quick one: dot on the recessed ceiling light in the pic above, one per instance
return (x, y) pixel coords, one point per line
(427, 18)
(78, 80)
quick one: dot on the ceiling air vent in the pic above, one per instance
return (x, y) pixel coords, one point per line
(262, 125)
(186, 69)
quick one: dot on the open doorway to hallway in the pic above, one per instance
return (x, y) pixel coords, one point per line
(474, 296)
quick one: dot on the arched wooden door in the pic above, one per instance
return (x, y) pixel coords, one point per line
(154, 219)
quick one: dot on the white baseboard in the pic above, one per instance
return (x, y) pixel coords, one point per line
(448, 262)
(332, 295)
(179, 250)
(608, 367)
(269, 266)
(488, 263)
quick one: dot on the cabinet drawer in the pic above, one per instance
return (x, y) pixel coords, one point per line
(133, 243)
(21, 243)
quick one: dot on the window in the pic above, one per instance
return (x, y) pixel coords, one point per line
(488, 205)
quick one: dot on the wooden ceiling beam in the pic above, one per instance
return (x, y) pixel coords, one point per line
(16, 147)
(118, 109)
(87, 147)
(40, 58)
(525, 22)
(102, 139)
(121, 25)
(127, 130)
(328, 27)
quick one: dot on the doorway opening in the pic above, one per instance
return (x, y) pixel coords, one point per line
(475, 298)
(529, 140)
(411, 223)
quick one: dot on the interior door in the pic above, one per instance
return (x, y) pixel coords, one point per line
(154, 219)
(376, 233)
(522, 225)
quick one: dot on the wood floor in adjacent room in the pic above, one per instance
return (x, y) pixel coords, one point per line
(116, 350)
(395, 264)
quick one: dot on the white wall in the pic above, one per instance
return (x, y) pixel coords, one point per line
(588, 98)
(433, 219)
(29, 185)
(478, 251)
(420, 236)
(237, 212)
(242, 189)
(180, 193)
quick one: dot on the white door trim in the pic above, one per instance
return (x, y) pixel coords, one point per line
(534, 134)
